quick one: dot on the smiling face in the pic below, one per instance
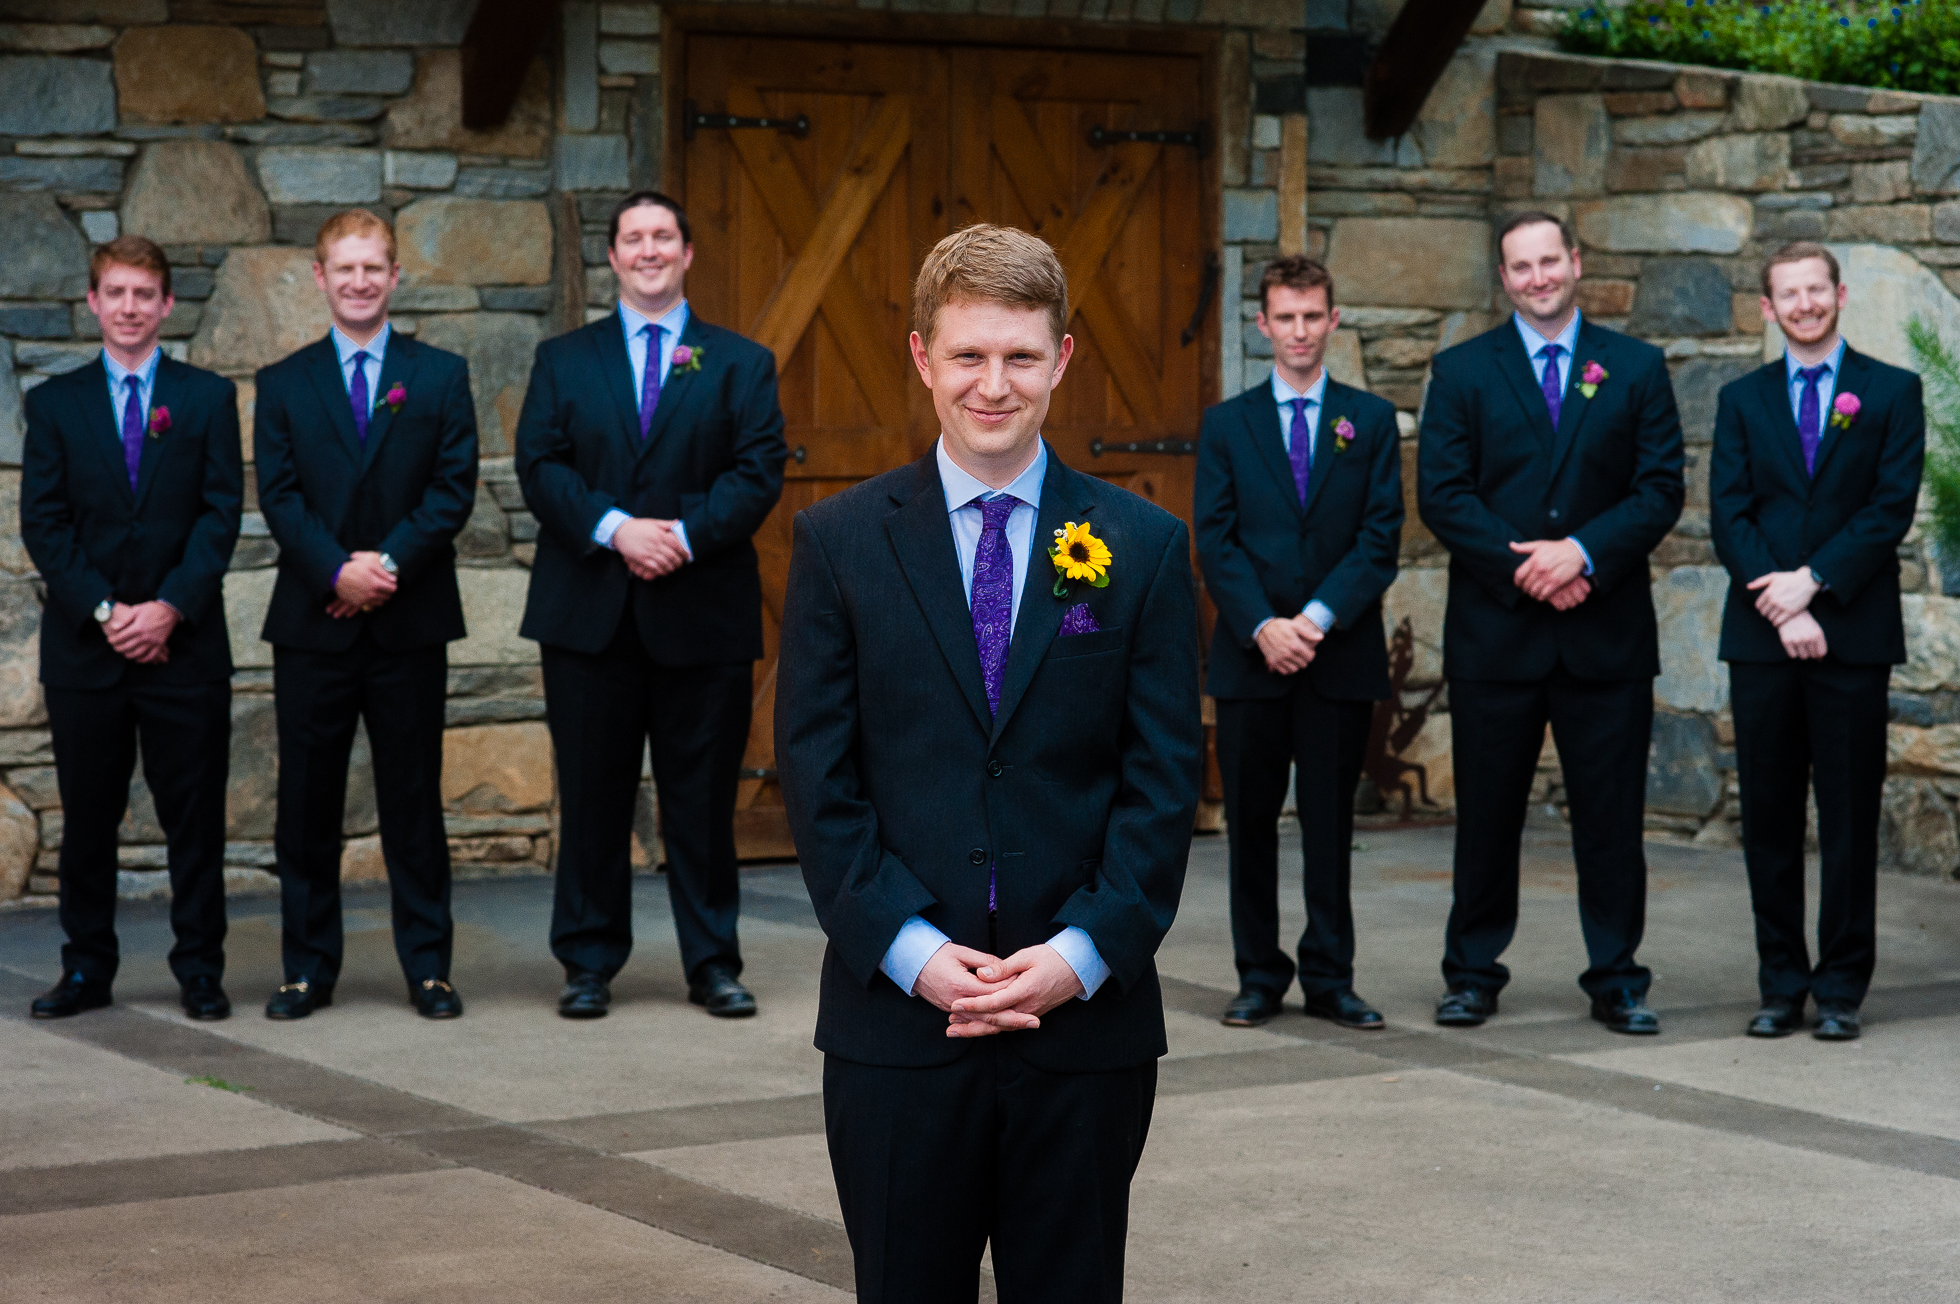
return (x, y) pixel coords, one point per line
(650, 259)
(1804, 300)
(1298, 322)
(358, 277)
(1541, 276)
(131, 305)
(991, 368)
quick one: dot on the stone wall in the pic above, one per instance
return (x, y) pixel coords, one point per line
(1679, 181)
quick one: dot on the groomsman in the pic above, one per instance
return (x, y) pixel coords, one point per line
(131, 487)
(650, 449)
(366, 456)
(1299, 522)
(1814, 479)
(1550, 467)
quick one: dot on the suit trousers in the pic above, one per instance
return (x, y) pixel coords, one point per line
(1799, 723)
(933, 1163)
(319, 697)
(606, 710)
(1325, 741)
(1601, 728)
(184, 731)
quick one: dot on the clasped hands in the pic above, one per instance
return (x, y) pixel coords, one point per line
(141, 631)
(1783, 597)
(1554, 571)
(1289, 644)
(362, 585)
(650, 547)
(983, 995)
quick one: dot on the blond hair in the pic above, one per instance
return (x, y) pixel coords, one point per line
(990, 264)
(140, 252)
(352, 221)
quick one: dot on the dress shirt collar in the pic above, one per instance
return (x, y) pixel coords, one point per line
(674, 321)
(145, 371)
(1534, 343)
(345, 349)
(1831, 364)
(962, 488)
(1315, 393)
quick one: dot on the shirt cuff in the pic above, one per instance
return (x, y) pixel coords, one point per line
(1320, 614)
(1261, 625)
(1583, 554)
(916, 943)
(680, 532)
(602, 533)
(1074, 946)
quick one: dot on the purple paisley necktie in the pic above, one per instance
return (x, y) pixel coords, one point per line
(132, 431)
(993, 607)
(650, 386)
(357, 394)
(1554, 392)
(1810, 423)
(1299, 447)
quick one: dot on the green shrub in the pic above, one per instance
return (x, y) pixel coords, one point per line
(1940, 374)
(1910, 45)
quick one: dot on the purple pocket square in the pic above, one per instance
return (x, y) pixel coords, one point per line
(1079, 620)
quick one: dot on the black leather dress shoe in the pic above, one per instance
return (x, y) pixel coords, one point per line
(1777, 1019)
(434, 998)
(1465, 1007)
(717, 991)
(1626, 1012)
(586, 996)
(204, 999)
(1346, 1009)
(296, 1000)
(70, 996)
(1250, 1008)
(1837, 1023)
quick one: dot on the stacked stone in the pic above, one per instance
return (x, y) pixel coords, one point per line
(230, 145)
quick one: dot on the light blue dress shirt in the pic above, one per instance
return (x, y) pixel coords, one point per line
(375, 349)
(1826, 387)
(918, 941)
(146, 385)
(1284, 394)
(634, 324)
(1534, 347)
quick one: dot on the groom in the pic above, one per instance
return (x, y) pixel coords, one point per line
(988, 737)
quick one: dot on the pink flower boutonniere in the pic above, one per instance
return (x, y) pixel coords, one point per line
(687, 359)
(159, 421)
(395, 397)
(1343, 434)
(1844, 410)
(1590, 378)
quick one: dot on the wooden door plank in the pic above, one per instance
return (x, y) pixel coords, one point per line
(864, 178)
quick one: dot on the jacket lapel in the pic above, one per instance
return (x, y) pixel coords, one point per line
(678, 386)
(609, 341)
(1323, 442)
(1065, 496)
(1516, 366)
(324, 369)
(922, 535)
(1775, 396)
(1262, 424)
(397, 367)
(1851, 379)
(1591, 346)
(163, 394)
(104, 422)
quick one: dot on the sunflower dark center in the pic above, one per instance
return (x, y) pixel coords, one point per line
(1078, 552)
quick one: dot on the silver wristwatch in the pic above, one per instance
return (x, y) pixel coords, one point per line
(388, 564)
(103, 610)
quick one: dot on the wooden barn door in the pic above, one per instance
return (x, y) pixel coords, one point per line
(817, 175)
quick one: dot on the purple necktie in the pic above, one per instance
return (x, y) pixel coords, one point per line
(650, 386)
(1299, 447)
(357, 394)
(133, 430)
(1554, 392)
(993, 606)
(1810, 425)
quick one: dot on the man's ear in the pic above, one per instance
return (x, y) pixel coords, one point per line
(921, 359)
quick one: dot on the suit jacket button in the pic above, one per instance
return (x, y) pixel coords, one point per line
(1555, 513)
(978, 856)
(994, 768)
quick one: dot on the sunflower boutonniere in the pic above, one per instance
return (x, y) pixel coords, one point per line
(1343, 434)
(1590, 378)
(1079, 557)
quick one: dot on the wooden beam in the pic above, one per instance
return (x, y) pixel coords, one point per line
(1420, 43)
(1293, 184)
(502, 40)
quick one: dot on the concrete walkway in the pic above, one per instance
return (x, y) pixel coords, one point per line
(658, 1155)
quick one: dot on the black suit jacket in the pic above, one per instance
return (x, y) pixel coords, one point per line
(1265, 555)
(1492, 472)
(91, 538)
(406, 492)
(713, 459)
(1846, 522)
(901, 790)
